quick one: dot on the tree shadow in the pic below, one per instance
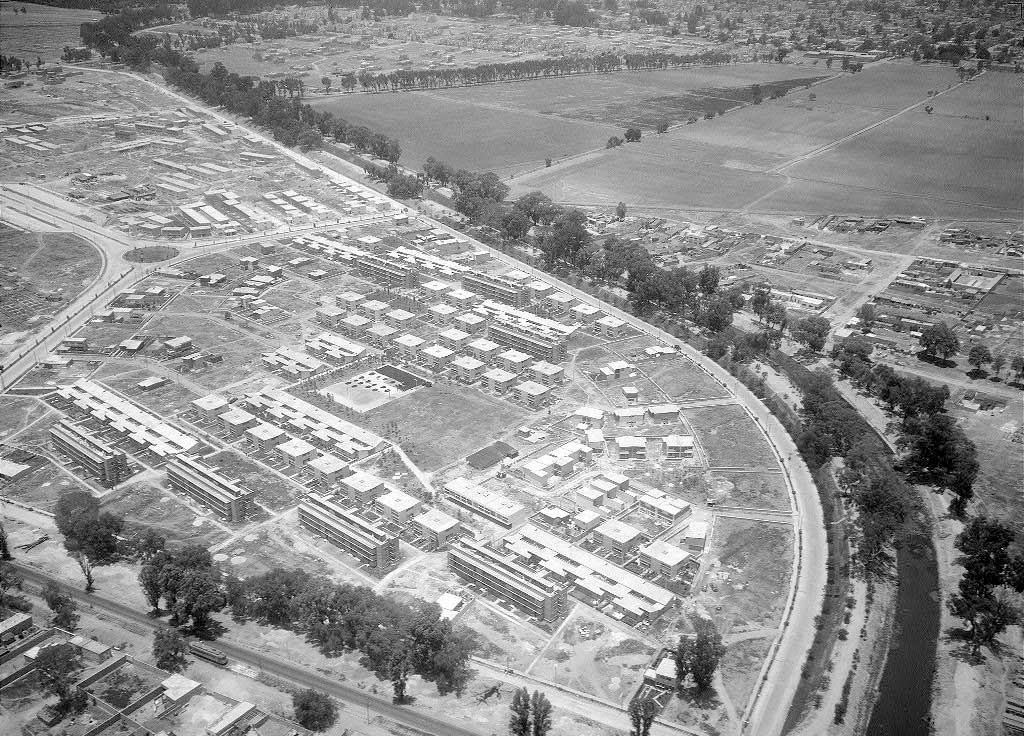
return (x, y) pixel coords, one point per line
(210, 632)
(935, 360)
(965, 651)
(977, 374)
(700, 699)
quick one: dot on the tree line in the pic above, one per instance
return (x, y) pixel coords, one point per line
(395, 640)
(604, 62)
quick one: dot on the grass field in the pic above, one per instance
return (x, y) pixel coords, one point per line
(682, 380)
(142, 503)
(900, 167)
(271, 490)
(440, 424)
(514, 127)
(42, 31)
(730, 438)
(1000, 484)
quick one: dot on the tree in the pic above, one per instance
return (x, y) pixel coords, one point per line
(65, 612)
(867, 316)
(515, 224)
(519, 717)
(642, 713)
(326, 82)
(540, 714)
(662, 126)
(87, 530)
(614, 142)
(632, 135)
(698, 656)
(86, 567)
(978, 356)
(998, 363)
(620, 211)
(57, 665)
(199, 595)
(1017, 366)
(939, 340)
(169, 649)
(708, 279)
(760, 302)
(537, 206)
(811, 332)
(314, 710)
(9, 578)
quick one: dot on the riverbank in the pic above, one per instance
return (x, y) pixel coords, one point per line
(968, 696)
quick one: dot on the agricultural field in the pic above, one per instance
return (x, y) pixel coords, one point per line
(42, 273)
(514, 127)
(443, 423)
(730, 437)
(727, 164)
(42, 31)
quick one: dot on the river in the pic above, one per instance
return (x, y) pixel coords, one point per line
(904, 699)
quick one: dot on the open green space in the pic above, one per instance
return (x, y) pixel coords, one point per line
(730, 438)
(440, 424)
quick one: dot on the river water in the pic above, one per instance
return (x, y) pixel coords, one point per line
(905, 692)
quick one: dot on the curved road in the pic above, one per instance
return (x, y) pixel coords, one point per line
(298, 675)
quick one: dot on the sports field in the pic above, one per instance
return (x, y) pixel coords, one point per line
(511, 128)
(899, 162)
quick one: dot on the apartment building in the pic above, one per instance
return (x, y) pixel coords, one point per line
(510, 581)
(497, 288)
(388, 271)
(343, 528)
(480, 501)
(205, 485)
(99, 460)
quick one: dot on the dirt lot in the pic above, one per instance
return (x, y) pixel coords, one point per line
(754, 563)
(40, 273)
(730, 438)
(504, 641)
(272, 491)
(17, 412)
(596, 655)
(753, 490)
(440, 424)
(143, 503)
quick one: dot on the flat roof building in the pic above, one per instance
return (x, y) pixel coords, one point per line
(498, 288)
(487, 504)
(510, 581)
(345, 529)
(362, 488)
(663, 558)
(97, 458)
(398, 506)
(207, 486)
(437, 527)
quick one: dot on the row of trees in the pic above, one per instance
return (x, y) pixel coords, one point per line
(604, 62)
(395, 640)
(16, 64)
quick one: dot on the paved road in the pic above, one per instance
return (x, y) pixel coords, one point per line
(298, 675)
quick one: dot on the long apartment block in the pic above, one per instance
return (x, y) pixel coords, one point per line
(479, 500)
(107, 464)
(343, 528)
(207, 486)
(543, 338)
(501, 575)
(498, 288)
(388, 271)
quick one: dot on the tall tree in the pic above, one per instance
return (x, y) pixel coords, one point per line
(540, 714)
(519, 713)
(979, 355)
(169, 649)
(867, 316)
(5, 550)
(939, 340)
(642, 713)
(57, 665)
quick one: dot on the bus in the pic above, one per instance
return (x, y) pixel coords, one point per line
(210, 654)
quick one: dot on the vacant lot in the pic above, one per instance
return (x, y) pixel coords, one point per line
(755, 562)
(1000, 484)
(17, 412)
(504, 641)
(751, 490)
(272, 491)
(682, 380)
(142, 503)
(440, 424)
(730, 438)
(900, 167)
